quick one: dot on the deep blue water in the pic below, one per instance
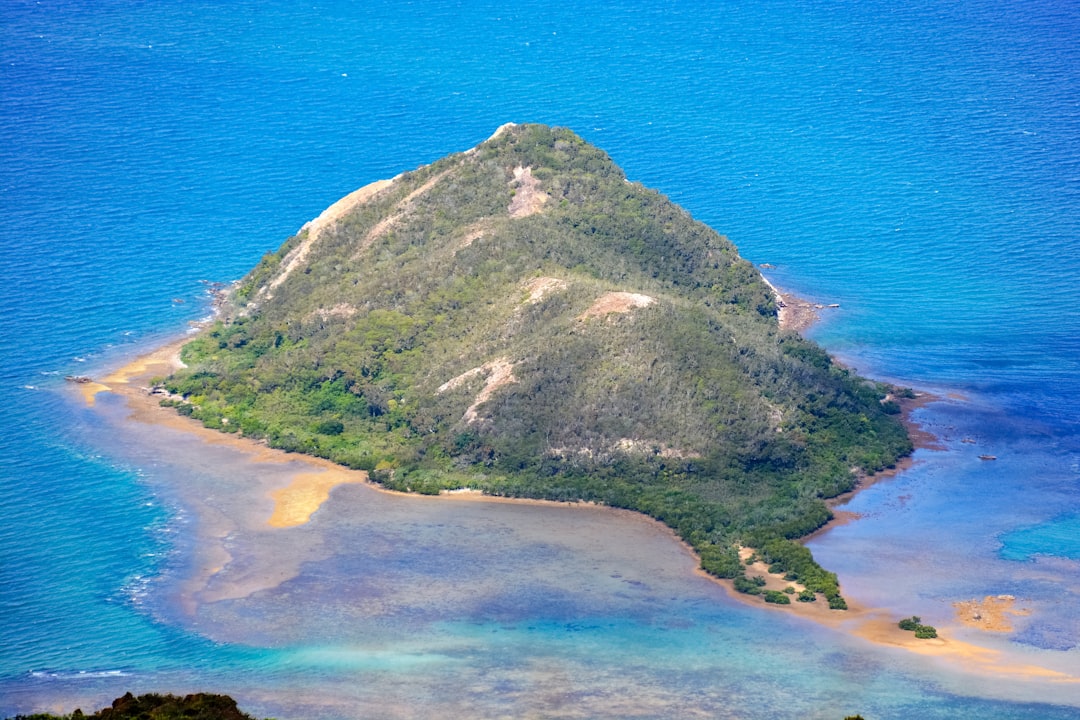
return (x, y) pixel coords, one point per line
(919, 165)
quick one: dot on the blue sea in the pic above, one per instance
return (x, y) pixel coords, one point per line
(917, 163)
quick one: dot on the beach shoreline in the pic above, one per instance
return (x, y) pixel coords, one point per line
(310, 488)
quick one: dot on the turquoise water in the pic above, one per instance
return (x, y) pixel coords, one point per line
(918, 165)
(1059, 537)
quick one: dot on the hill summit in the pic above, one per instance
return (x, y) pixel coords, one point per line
(520, 319)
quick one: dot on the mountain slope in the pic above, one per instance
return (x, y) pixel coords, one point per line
(520, 319)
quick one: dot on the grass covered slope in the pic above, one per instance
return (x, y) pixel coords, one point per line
(521, 319)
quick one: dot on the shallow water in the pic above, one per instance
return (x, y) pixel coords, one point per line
(918, 165)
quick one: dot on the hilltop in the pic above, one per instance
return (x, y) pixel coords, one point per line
(522, 320)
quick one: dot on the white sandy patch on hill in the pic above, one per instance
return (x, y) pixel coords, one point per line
(528, 198)
(498, 131)
(400, 210)
(343, 310)
(499, 372)
(539, 287)
(616, 302)
(315, 228)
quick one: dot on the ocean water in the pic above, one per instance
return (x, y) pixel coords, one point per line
(917, 164)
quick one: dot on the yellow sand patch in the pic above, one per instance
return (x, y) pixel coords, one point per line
(162, 361)
(89, 391)
(294, 504)
(991, 613)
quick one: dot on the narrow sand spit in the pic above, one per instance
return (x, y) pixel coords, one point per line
(294, 504)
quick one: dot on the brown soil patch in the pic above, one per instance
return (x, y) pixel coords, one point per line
(991, 613)
(652, 447)
(473, 233)
(616, 302)
(528, 198)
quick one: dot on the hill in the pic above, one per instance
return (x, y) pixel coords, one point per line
(521, 319)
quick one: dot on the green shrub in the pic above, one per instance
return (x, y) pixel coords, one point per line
(837, 603)
(746, 586)
(807, 596)
(914, 624)
(910, 623)
(777, 597)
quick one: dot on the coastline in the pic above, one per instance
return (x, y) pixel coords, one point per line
(309, 489)
(793, 312)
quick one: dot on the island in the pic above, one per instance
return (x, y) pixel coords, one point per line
(521, 320)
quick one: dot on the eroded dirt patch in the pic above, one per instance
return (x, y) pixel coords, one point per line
(540, 287)
(616, 302)
(528, 198)
(498, 372)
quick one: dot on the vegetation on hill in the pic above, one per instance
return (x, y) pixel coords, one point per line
(522, 320)
(200, 706)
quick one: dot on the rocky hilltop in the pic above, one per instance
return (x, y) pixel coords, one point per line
(521, 319)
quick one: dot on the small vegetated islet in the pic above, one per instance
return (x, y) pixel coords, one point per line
(914, 624)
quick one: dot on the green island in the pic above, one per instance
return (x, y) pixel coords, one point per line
(522, 320)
